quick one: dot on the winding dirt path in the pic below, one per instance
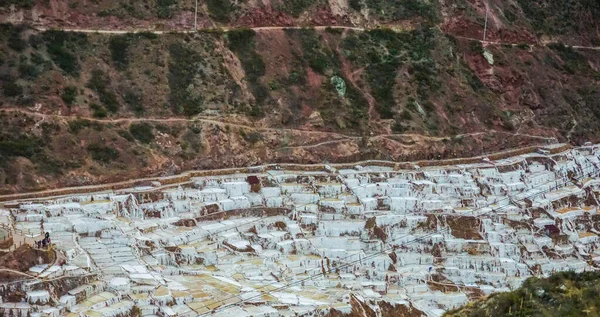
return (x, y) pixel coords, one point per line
(224, 29)
(185, 177)
(266, 129)
(269, 28)
(541, 44)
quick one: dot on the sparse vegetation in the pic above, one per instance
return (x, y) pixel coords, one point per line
(252, 137)
(78, 124)
(296, 7)
(126, 135)
(562, 294)
(472, 79)
(319, 58)
(476, 47)
(134, 101)
(241, 42)
(181, 77)
(355, 4)
(164, 8)
(119, 46)
(561, 17)
(60, 46)
(220, 10)
(28, 71)
(102, 153)
(418, 81)
(12, 89)
(573, 61)
(382, 65)
(25, 4)
(98, 111)
(142, 132)
(69, 94)
(19, 145)
(15, 41)
(100, 83)
(400, 10)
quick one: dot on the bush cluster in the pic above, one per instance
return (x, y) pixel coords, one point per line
(142, 132)
(100, 83)
(102, 153)
(60, 46)
(182, 72)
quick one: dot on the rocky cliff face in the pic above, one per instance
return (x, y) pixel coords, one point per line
(80, 108)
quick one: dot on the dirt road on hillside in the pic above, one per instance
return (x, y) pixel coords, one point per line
(270, 28)
(266, 129)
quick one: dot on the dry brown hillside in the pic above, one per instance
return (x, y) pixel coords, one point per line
(80, 108)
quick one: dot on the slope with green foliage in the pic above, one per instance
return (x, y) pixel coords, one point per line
(563, 294)
(418, 81)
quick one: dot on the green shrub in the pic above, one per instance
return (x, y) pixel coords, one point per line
(510, 15)
(191, 142)
(381, 52)
(425, 74)
(102, 153)
(355, 4)
(19, 145)
(334, 30)
(195, 128)
(60, 44)
(119, 46)
(561, 17)
(12, 89)
(403, 10)
(142, 132)
(256, 110)
(25, 4)
(220, 10)
(100, 83)
(320, 59)
(405, 115)
(476, 47)
(126, 135)
(79, 124)
(182, 74)
(163, 128)
(164, 8)
(15, 41)
(382, 78)
(358, 105)
(562, 294)
(147, 35)
(429, 106)
(473, 80)
(134, 101)
(252, 137)
(241, 42)
(38, 60)
(98, 111)
(69, 94)
(28, 71)
(296, 7)
(36, 41)
(398, 127)
(573, 60)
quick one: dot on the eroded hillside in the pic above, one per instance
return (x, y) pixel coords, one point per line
(179, 14)
(573, 21)
(80, 108)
